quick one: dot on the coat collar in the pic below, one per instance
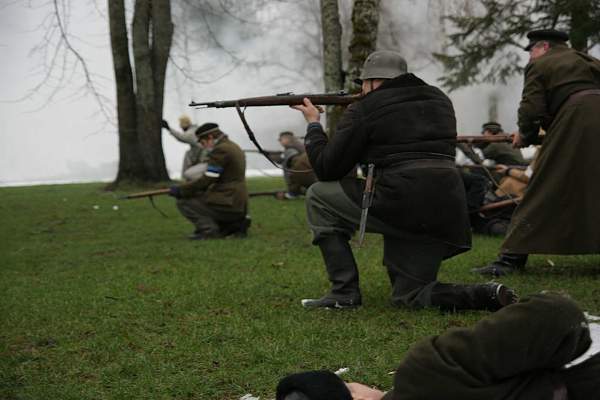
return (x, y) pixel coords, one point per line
(402, 81)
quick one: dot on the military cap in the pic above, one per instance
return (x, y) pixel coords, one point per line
(383, 64)
(207, 128)
(286, 133)
(551, 35)
(491, 126)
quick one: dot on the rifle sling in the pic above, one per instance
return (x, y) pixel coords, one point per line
(252, 138)
(151, 198)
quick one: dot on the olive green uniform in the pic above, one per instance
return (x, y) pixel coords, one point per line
(220, 196)
(503, 153)
(559, 213)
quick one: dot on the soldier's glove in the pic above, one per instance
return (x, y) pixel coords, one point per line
(164, 124)
(175, 191)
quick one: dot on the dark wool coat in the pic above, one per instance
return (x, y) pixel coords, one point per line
(397, 127)
(517, 353)
(223, 186)
(559, 213)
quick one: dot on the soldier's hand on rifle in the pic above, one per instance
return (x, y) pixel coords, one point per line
(164, 124)
(311, 112)
(175, 191)
(517, 140)
(501, 169)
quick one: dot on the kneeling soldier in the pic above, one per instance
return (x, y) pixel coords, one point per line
(217, 202)
(407, 130)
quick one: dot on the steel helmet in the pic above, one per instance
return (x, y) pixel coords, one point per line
(383, 64)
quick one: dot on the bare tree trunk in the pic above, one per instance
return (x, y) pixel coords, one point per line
(148, 55)
(131, 164)
(333, 75)
(365, 21)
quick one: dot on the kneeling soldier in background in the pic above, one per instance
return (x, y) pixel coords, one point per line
(297, 171)
(217, 202)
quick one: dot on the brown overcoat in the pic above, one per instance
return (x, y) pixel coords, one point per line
(559, 213)
(223, 186)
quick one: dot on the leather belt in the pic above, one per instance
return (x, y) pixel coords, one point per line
(581, 93)
(423, 163)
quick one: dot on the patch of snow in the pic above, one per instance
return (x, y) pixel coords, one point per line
(249, 397)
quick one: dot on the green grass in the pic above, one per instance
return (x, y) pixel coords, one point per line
(105, 304)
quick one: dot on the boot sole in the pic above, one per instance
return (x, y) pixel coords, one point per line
(336, 306)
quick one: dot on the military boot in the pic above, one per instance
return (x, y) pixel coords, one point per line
(342, 273)
(507, 263)
(490, 296)
(238, 229)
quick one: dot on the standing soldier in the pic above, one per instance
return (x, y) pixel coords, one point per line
(217, 202)
(407, 130)
(193, 156)
(558, 214)
(297, 171)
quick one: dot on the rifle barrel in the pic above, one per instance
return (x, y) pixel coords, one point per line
(145, 194)
(500, 204)
(281, 100)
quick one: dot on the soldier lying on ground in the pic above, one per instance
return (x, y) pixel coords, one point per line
(517, 353)
(217, 202)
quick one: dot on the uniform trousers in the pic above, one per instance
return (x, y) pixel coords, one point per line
(412, 264)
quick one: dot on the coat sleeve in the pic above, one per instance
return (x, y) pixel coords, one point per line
(333, 159)
(217, 162)
(533, 110)
(188, 136)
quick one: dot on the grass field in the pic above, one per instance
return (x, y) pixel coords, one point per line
(118, 304)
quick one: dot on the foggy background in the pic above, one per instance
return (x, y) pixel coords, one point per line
(61, 136)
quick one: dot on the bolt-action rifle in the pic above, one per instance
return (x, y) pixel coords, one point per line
(341, 98)
(283, 99)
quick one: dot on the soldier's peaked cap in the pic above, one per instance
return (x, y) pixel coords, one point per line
(492, 126)
(551, 35)
(207, 128)
(383, 64)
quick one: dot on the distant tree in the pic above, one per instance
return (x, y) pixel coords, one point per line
(333, 75)
(365, 20)
(485, 42)
(139, 105)
(365, 24)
